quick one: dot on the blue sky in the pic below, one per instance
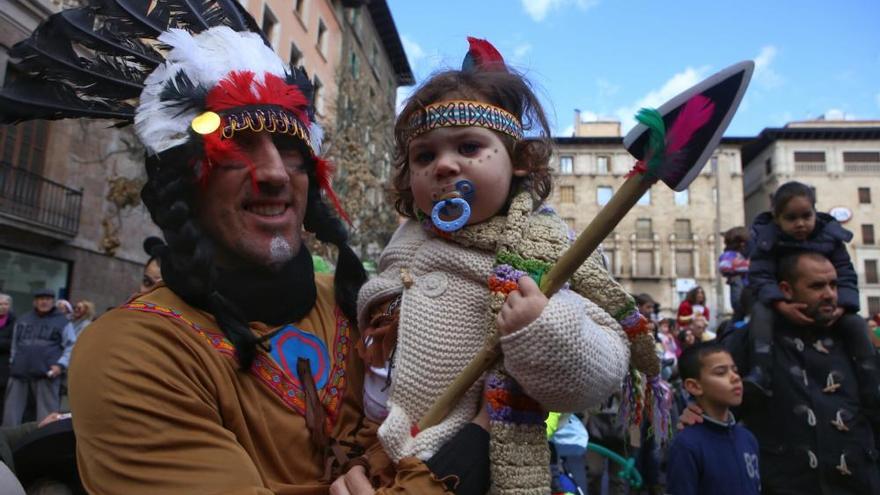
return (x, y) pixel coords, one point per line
(610, 57)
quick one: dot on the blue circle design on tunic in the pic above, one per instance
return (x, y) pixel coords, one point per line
(292, 343)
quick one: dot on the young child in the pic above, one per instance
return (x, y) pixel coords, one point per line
(734, 266)
(472, 185)
(694, 304)
(716, 456)
(795, 225)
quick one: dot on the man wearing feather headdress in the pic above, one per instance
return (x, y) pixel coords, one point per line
(236, 374)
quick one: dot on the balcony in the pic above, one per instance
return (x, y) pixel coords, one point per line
(31, 201)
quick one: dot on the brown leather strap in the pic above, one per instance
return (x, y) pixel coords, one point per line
(316, 416)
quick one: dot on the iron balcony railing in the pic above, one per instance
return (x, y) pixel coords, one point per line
(32, 197)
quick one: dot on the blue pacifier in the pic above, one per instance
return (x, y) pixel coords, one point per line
(456, 205)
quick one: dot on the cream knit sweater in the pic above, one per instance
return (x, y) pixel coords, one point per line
(571, 358)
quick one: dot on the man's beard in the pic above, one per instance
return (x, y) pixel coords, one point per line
(280, 251)
(818, 315)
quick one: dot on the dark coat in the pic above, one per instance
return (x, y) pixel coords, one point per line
(37, 344)
(797, 423)
(768, 244)
(5, 346)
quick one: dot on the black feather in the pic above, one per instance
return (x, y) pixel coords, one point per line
(92, 61)
(48, 55)
(298, 77)
(32, 100)
(80, 26)
(183, 93)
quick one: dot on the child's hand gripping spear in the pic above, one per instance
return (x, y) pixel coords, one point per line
(698, 117)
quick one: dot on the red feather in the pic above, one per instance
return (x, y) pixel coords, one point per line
(323, 172)
(235, 90)
(695, 114)
(486, 56)
(276, 91)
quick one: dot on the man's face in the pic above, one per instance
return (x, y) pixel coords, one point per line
(719, 381)
(815, 286)
(262, 227)
(44, 304)
(4, 306)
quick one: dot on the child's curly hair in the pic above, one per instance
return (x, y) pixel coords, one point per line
(507, 90)
(736, 238)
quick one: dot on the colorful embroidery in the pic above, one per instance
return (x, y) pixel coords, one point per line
(282, 380)
(464, 113)
(507, 402)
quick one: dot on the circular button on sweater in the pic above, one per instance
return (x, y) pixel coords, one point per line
(433, 284)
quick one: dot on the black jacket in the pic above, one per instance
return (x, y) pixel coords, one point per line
(768, 244)
(5, 346)
(37, 343)
(801, 449)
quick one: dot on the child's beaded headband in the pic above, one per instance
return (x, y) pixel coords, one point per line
(464, 113)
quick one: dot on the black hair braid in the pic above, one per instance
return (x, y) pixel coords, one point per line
(187, 261)
(350, 274)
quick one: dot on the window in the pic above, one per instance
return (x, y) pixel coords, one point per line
(270, 23)
(683, 229)
(861, 161)
(643, 229)
(682, 198)
(603, 195)
(566, 194)
(768, 166)
(684, 264)
(645, 263)
(322, 36)
(374, 55)
(318, 95)
(809, 161)
(865, 195)
(355, 66)
(570, 222)
(609, 259)
(871, 272)
(645, 199)
(24, 145)
(299, 7)
(867, 233)
(601, 164)
(295, 55)
(873, 305)
(566, 164)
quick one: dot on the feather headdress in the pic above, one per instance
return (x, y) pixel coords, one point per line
(183, 71)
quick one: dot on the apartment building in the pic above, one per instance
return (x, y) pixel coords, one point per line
(841, 160)
(669, 242)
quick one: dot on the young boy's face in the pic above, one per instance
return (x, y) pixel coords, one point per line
(719, 383)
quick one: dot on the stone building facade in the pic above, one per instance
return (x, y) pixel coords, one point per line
(668, 243)
(841, 160)
(70, 210)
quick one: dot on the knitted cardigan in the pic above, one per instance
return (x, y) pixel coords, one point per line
(571, 358)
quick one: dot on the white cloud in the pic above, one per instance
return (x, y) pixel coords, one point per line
(522, 50)
(568, 132)
(414, 51)
(675, 85)
(765, 75)
(838, 114)
(537, 9)
(588, 116)
(607, 89)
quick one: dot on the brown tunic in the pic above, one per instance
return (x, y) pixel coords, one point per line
(159, 406)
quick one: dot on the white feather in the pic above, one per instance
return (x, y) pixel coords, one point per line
(206, 58)
(316, 136)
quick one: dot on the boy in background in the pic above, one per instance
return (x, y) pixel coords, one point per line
(716, 456)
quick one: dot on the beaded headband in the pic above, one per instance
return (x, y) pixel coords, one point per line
(464, 113)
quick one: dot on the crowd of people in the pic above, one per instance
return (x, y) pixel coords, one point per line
(237, 368)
